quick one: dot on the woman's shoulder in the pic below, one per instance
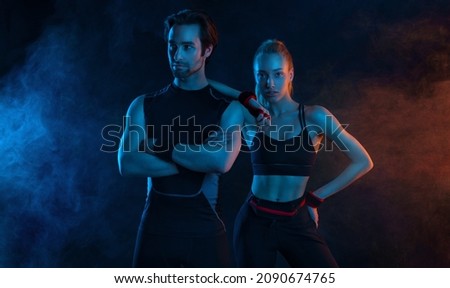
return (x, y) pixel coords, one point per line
(316, 113)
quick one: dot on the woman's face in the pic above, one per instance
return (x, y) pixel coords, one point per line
(273, 76)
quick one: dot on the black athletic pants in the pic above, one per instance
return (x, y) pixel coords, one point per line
(259, 234)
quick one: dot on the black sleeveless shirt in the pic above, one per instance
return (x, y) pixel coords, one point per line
(174, 115)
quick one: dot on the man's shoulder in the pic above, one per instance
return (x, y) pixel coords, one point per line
(216, 94)
(157, 93)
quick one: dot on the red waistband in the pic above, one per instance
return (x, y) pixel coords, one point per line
(275, 211)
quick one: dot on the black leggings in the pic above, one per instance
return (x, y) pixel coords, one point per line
(180, 232)
(259, 234)
(162, 251)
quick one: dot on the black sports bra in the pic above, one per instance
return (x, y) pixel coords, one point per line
(294, 156)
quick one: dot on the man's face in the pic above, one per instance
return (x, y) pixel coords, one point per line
(184, 50)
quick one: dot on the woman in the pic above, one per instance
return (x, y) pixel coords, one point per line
(279, 215)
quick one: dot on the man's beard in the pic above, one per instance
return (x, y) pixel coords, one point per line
(186, 71)
(181, 73)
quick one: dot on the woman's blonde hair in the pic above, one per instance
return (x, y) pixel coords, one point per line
(273, 46)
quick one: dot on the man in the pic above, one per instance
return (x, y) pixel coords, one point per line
(166, 139)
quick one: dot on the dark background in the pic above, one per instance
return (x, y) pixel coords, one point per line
(68, 69)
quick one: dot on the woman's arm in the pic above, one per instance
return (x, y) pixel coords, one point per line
(224, 89)
(262, 116)
(360, 164)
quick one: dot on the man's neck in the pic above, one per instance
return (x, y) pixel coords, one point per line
(193, 82)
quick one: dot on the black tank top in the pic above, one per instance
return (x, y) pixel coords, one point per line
(184, 116)
(294, 156)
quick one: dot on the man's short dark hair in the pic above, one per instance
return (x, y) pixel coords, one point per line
(208, 30)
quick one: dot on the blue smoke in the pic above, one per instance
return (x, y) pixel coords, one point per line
(30, 172)
(48, 140)
(59, 192)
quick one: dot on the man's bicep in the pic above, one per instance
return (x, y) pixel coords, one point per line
(134, 131)
(231, 124)
(233, 117)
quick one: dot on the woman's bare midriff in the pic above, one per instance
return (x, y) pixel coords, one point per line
(279, 188)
